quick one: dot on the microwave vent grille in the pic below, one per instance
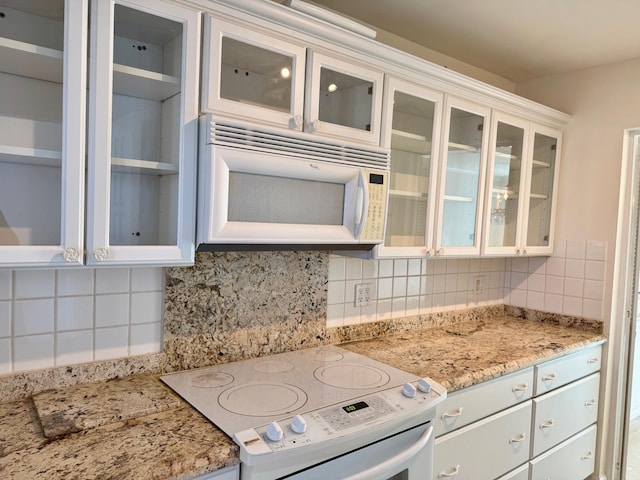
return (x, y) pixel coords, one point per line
(296, 145)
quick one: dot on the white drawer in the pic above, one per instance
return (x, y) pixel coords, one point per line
(571, 460)
(486, 449)
(520, 473)
(229, 473)
(563, 412)
(559, 372)
(479, 401)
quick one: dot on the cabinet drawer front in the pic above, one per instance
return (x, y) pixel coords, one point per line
(486, 449)
(571, 460)
(563, 412)
(521, 473)
(559, 372)
(470, 404)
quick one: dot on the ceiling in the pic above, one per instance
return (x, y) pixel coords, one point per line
(516, 39)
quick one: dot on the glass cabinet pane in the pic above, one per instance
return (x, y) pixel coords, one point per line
(146, 126)
(411, 144)
(345, 100)
(541, 191)
(31, 123)
(505, 186)
(462, 179)
(256, 76)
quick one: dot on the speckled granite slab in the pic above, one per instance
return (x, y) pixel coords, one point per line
(177, 444)
(19, 428)
(465, 353)
(82, 407)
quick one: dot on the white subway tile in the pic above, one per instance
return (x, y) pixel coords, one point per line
(439, 266)
(5, 356)
(5, 285)
(400, 267)
(145, 339)
(112, 280)
(572, 306)
(33, 352)
(452, 265)
(485, 264)
(428, 266)
(370, 269)
(576, 249)
(335, 292)
(439, 284)
(413, 286)
(398, 307)
(496, 279)
(414, 266)
(112, 310)
(519, 280)
(596, 251)
(111, 343)
(5, 319)
(555, 266)
(350, 291)
(426, 303)
(34, 284)
(574, 268)
(335, 315)
(573, 287)
(385, 268)
(146, 307)
(594, 270)
(74, 313)
(474, 265)
(554, 285)
(536, 283)
(465, 282)
(437, 301)
(384, 309)
(33, 317)
(535, 300)
(518, 298)
(353, 269)
(560, 249)
(451, 283)
(351, 314)
(75, 282)
(592, 309)
(553, 303)
(385, 288)
(413, 306)
(399, 287)
(538, 265)
(426, 285)
(368, 313)
(520, 265)
(336, 267)
(463, 265)
(74, 347)
(497, 264)
(148, 279)
(594, 290)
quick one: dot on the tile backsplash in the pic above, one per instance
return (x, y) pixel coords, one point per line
(51, 318)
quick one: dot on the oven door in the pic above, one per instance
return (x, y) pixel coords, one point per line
(405, 456)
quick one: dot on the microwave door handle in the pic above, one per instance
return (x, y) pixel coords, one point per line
(362, 204)
(390, 465)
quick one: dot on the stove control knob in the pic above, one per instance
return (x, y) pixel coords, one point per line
(298, 424)
(424, 386)
(274, 432)
(409, 390)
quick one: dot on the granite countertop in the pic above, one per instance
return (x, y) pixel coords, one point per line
(137, 428)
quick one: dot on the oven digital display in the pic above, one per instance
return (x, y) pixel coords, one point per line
(354, 407)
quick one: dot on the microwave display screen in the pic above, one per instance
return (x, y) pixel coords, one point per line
(376, 178)
(271, 199)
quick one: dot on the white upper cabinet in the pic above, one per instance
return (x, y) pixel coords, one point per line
(411, 129)
(261, 77)
(142, 132)
(520, 211)
(42, 126)
(461, 179)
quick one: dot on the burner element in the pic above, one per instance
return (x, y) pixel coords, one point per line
(212, 380)
(273, 366)
(349, 375)
(324, 355)
(262, 399)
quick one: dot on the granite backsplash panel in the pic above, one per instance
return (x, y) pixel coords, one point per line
(233, 305)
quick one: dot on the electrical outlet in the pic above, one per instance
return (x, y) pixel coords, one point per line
(364, 294)
(479, 284)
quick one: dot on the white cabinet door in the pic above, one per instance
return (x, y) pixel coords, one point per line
(142, 133)
(488, 448)
(561, 371)
(520, 473)
(230, 473)
(571, 460)
(411, 129)
(563, 412)
(479, 401)
(43, 52)
(462, 178)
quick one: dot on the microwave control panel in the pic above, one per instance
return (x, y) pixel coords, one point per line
(373, 229)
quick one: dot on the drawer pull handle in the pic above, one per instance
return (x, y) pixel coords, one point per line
(452, 473)
(590, 403)
(547, 378)
(591, 361)
(519, 439)
(457, 413)
(588, 456)
(548, 424)
(520, 388)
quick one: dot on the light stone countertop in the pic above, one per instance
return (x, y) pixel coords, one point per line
(136, 428)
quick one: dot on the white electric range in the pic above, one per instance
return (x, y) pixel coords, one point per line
(294, 411)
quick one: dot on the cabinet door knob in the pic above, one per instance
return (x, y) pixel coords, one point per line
(456, 413)
(101, 254)
(313, 126)
(519, 439)
(451, 473)
(71, 255)
(295, 122)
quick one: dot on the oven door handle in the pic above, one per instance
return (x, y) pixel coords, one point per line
(392, 463)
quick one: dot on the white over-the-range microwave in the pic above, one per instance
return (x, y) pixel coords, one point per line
(262, 187)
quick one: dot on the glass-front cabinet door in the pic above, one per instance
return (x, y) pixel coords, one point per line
(506, 177)
(541, 190)
(462, 178)
(43, 53)
(343, 99)
(143, 132)
(411, 129)
(252, 75)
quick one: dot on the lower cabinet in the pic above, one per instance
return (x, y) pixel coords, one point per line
(229, 473)
(510, 428)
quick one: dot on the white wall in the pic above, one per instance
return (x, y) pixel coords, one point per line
(603, 101)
